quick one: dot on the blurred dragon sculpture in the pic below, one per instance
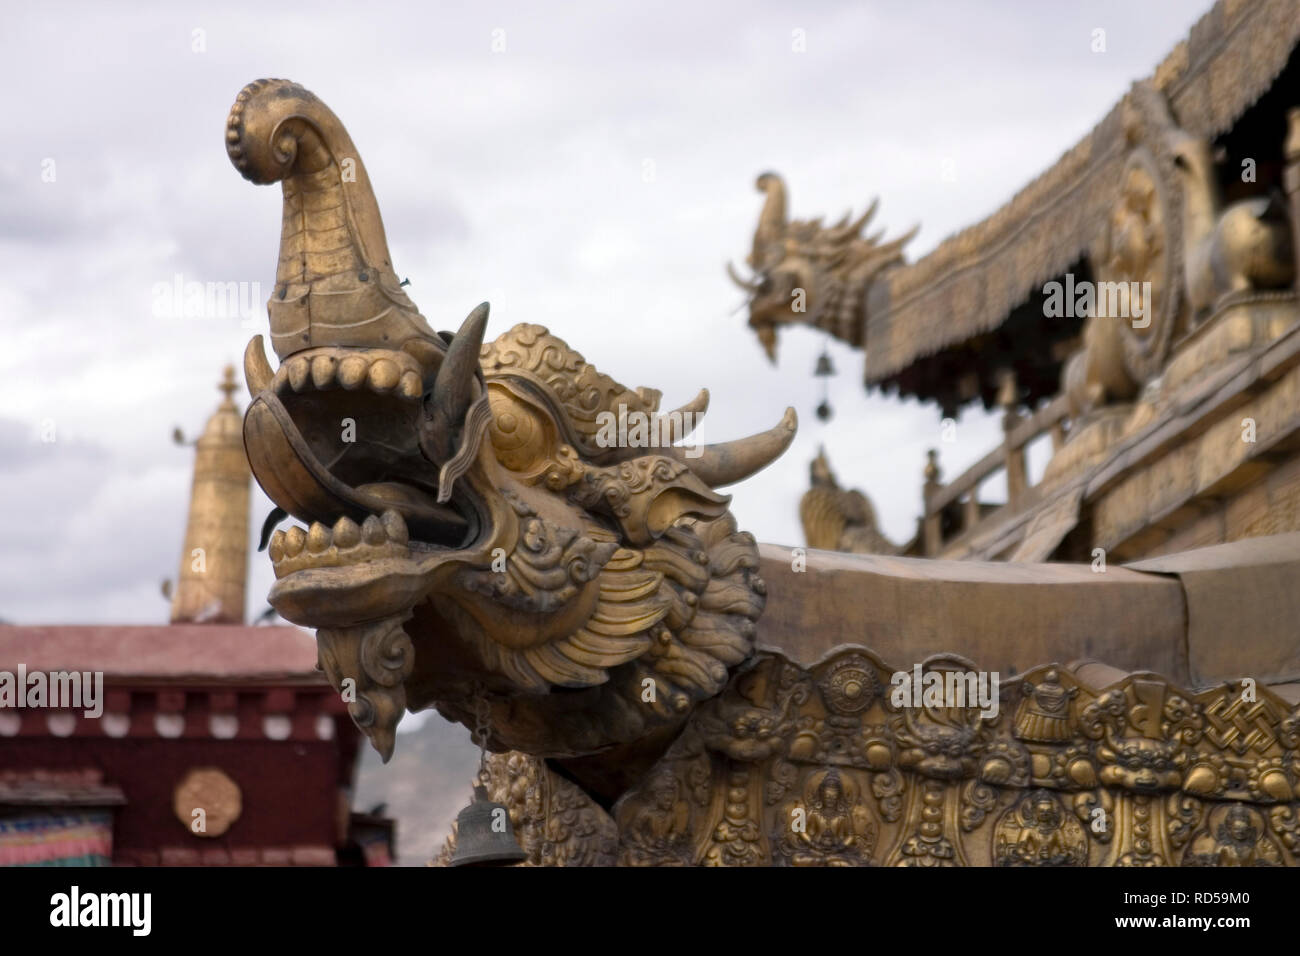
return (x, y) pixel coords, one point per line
(807, 273)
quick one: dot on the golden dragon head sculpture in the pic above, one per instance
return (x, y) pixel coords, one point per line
(493, 528)
(806, 273)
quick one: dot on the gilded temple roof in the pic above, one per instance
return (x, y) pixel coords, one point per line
(971, 282)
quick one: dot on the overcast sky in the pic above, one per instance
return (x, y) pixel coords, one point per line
(517, 176)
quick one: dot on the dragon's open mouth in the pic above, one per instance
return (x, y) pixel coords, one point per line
(333, 436)
(334, 433)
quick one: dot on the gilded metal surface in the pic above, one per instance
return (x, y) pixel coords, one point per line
(1168, 238)
(807, 273)
(818, 766)
(213, 573)
(498, 516)
(795, 766)
(497, 522)
(838, 520)
(1227, 249)
(970, 282)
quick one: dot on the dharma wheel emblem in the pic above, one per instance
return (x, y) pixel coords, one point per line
(211, 791)
(850, 686)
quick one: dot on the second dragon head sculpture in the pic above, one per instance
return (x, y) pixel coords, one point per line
(808, 273)
(493, 528)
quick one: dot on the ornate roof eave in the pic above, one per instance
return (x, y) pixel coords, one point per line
(970, 283)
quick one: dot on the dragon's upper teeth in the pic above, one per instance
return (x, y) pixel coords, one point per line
(276, 549)
(383, 376)
(323, 368)
(352, 371)
(381, 371)
(294, 539)
(411, 385)
(297, 373)
(318, 538)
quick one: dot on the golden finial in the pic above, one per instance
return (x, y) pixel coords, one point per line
(214, 562)
(931, 466)
(228, 384)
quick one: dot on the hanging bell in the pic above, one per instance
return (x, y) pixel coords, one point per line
(484, 836)
(824, 368)
(824, 411)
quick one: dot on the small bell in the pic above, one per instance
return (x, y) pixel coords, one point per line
(824, 411)
(824, 368)
(484, 836)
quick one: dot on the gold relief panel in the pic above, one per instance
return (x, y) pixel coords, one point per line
(822, 765)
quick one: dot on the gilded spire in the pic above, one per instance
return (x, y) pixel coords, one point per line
(214, 563)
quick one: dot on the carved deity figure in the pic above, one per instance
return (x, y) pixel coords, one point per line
(1038, 832)
(1235, 836)
(658, 830)
(830, 827)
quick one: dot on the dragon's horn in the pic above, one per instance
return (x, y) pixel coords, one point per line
(772, 220)
(668, 427)
(455, 422)
(845, 229)
(748, 285)
(689, 415)
(729, 462)
(453, 387)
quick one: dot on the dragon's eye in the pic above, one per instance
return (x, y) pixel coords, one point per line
(520, 435)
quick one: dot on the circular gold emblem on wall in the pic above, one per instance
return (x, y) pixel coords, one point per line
(212, 792)
(850, 685)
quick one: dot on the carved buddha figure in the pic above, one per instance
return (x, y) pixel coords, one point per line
(1041, 838)
(661, 823)
(1235, 837)
(1039, 833)
(836, 830)
(829, 825)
